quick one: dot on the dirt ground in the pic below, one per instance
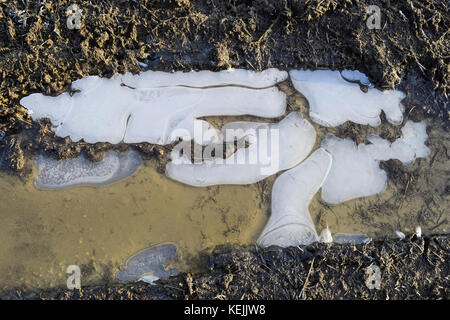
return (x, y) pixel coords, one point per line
(410, 269)
(38, 53)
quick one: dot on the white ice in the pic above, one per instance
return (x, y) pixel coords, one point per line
(356, 76)
(356, 172)
(201, 79)
(149, 279)
(60, 174)
(325, 236)
(290, 223)
(273, 147)
(156, 107)
(333, 100)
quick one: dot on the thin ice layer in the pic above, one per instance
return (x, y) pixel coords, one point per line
(356, 172)
(61, 174)
(356, 76)
(149, 264)
(155, 107)
(333, 100)
(290, 223)
(273, 147)
(344, 238)
(205, 78)
(174, 110)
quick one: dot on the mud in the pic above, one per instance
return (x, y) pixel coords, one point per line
(410, 269)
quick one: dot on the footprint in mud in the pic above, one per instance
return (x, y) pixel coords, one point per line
(149, 264)
(60, 174)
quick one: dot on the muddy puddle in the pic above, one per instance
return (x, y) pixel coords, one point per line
(44, 232)
(414, 196)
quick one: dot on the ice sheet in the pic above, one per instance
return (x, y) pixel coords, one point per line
(273, 147)
(356, 172)
(333, 100)
(60, 174)
(290, 223)
(156, 107)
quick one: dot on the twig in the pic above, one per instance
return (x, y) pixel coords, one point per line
(302, 292)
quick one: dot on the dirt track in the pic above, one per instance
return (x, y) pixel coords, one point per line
(38, 53)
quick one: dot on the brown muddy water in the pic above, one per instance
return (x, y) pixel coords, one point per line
(43, 232)
(415, 196)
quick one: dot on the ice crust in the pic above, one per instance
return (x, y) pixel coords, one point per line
(149, 264)
(290, 223)
(333, 100)
(161, 107)
(288, 143)
(156, 107)
(343, 238)
(201, 79)
(356, 76)
(356, 172)
(79, 171)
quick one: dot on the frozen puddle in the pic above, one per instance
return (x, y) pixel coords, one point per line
(333, 100)
(60, 174)
(149, 264)
(273, 147)
(156, 107)
(290, 223)
(356, 170)
(161, 108)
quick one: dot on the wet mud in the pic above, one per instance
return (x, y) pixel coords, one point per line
(409, 269)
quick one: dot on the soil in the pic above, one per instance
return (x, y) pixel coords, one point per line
(38, 53)
(410, 269)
